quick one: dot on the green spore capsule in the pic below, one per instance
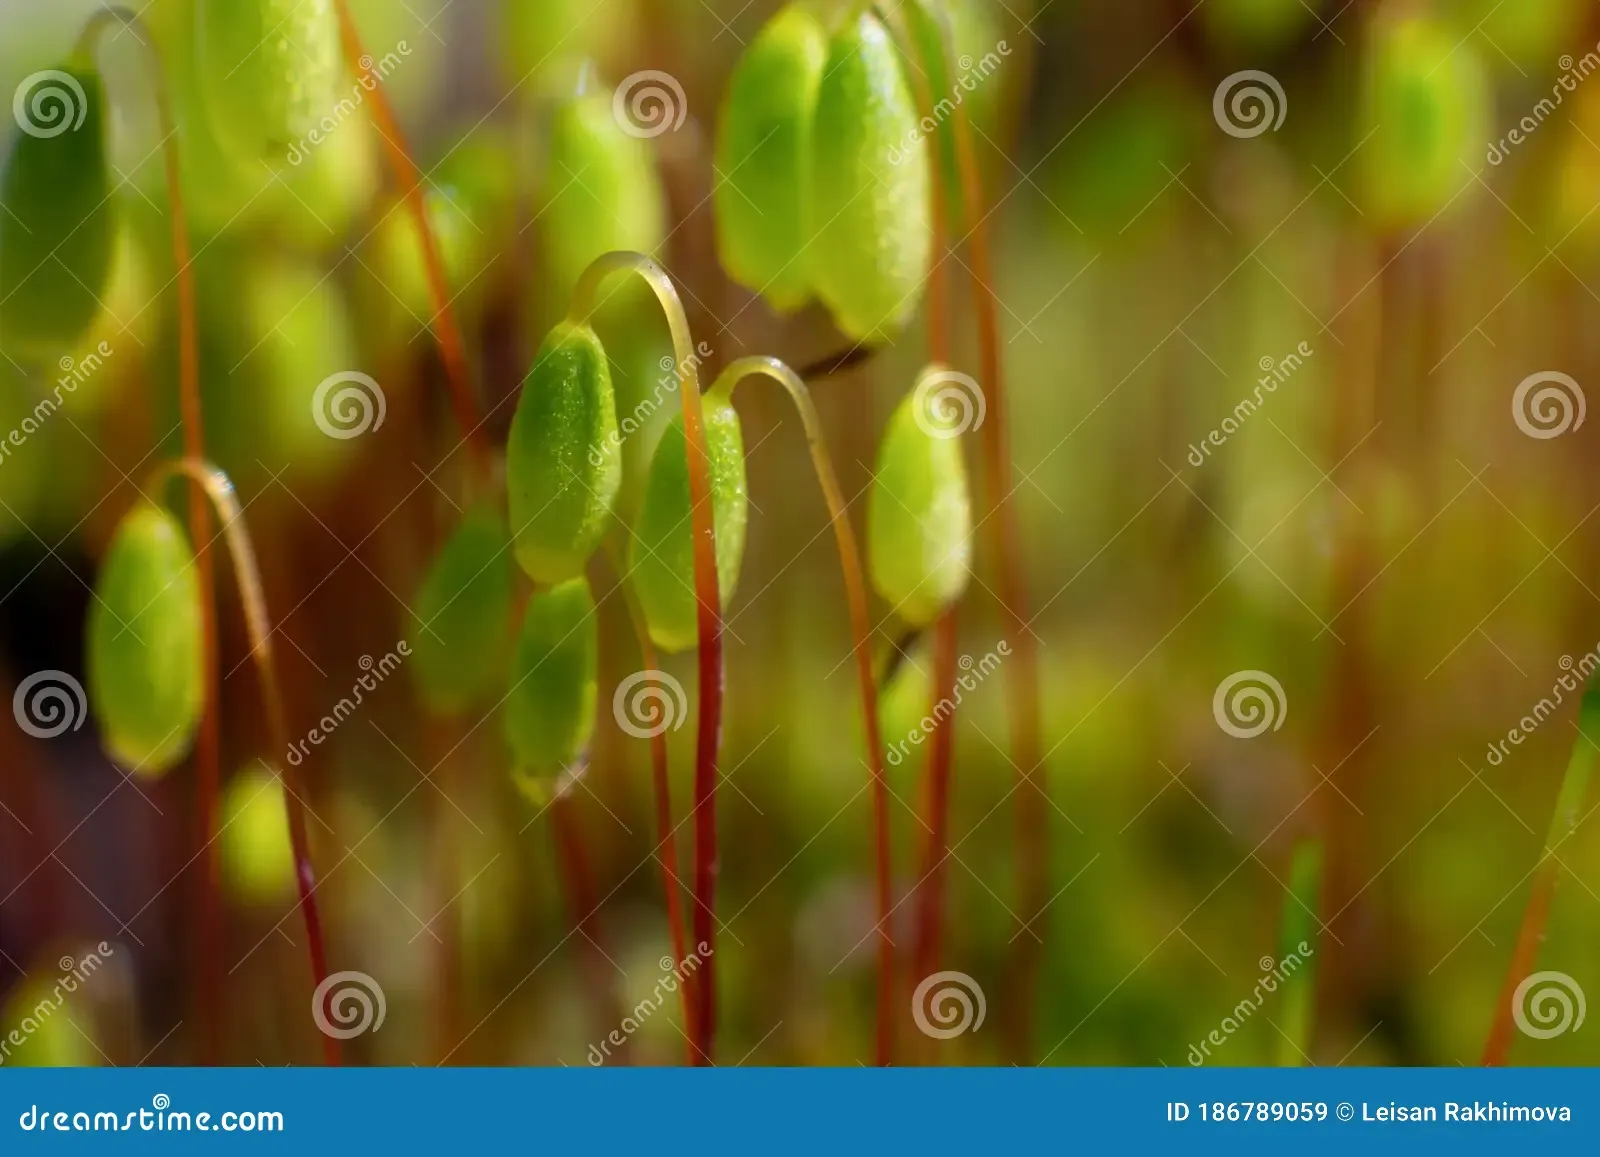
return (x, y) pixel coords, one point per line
(601, 192)
(661, 548)
(1427, 109)
(146, 663)
(550, 705)
(764, 159)
(919, 515)
(269, 73)
(65, 1037)
(256, 851)
(459, 627)
(870, 185)
(58, 226)
(563, 465)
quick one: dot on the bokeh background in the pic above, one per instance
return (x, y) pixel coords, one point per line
(1383, 536)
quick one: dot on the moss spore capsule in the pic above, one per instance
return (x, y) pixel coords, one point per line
(870, 184)
(551, 702)
(764, 159)
(58, 224)
(257, 853)
(919, 515)
(269, 72)
(661, 548)
(460, 621)
(146, 663)
(563, 467)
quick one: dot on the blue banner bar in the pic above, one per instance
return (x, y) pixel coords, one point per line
(746, 1111)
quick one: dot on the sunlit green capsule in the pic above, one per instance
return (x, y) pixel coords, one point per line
(459, 628)
(550, 704)
(764, 159)
(269, 72)
(146, 663)
(256, 851)
(563, 468)
(61, 1038)
(601, 192)
(870, 184)
(58, 226)
(1427, 111)
(919, 516)
(661, 548)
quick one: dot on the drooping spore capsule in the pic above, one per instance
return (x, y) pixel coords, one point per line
(563, 466)
(550, 703)
(460, 620)
(870, 185)
(601, 192)
(661, 548)
(58, 225)
(919, 515)
(764, 159)
(269, 73)
(257, 852)
(146, 662)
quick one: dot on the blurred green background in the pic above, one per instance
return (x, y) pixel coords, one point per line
(1382, 535)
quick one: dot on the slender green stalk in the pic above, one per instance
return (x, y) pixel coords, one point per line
(1569, 806)
(214, 485)
(1300, 929)
(861, 627)
(208, 754)
(708, 738)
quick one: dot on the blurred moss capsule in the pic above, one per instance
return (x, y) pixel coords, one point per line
(269, 72)
(919, 516)
(563, 468)
(764, 159)
(550, 706)
(661, 549)
(257, 853)
(58, 226)
(459, 629)
(1427, 110)
(146, 664)
(870, 184)
(602, 192)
